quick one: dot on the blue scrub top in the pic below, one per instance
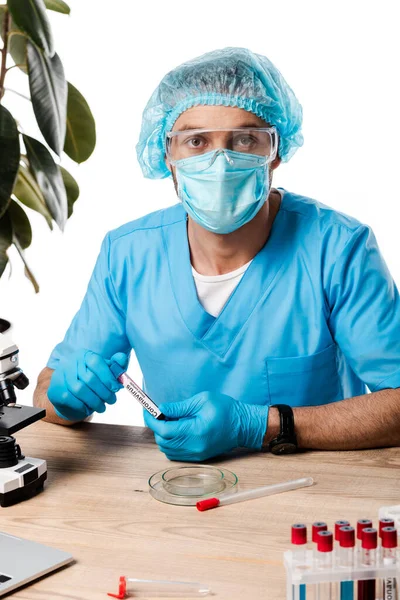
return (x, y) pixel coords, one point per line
(315, 318)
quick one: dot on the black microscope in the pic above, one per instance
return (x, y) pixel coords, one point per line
(20, 476)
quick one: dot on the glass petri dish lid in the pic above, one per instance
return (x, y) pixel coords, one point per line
(184, 486)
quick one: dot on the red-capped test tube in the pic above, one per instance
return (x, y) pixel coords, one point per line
(338, 526)
(324, 561)
(361, 525)
(325, 548)
(385, 523)
(299, 541)
(316, 528)
(130, 587)
(369, 543)
(347, 542)
(389, 545)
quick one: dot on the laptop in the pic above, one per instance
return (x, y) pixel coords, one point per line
(22, 561)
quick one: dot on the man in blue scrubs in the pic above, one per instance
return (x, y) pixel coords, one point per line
(260, 318)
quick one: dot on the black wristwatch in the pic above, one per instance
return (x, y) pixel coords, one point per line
(286, 442)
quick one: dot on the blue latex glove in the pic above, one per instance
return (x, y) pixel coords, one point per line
(83, 383)
(206, 425)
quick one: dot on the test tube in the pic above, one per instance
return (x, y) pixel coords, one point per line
(260, 492)
(347, 542)
(324, 561)
(385, 523)
(361, 525)
(152, 588)
(316, 528)
(369, 542)
(389, 548)
(299, 542)
(380, 583)
(338, 526)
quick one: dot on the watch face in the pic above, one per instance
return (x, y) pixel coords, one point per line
(284, 448)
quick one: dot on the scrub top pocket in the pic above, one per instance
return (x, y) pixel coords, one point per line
(304, 380)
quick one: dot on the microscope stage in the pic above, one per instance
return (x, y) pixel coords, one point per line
(15, 417)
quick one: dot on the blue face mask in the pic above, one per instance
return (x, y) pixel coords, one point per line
(222, 190)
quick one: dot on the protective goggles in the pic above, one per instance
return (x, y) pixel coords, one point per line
(261, 141)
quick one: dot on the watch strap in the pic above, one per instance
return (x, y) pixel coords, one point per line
(286, 420)
(287, 429)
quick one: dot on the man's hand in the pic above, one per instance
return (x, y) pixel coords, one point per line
(83, 383)
(206, 425)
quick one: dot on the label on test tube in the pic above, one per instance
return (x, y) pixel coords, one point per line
(389, 546)
(139, 394)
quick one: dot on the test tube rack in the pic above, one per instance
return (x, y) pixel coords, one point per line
(391, 512)
(303, 579)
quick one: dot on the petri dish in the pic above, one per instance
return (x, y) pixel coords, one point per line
(193, 481)
(184, 486)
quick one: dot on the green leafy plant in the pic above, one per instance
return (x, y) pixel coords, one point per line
(30, 173)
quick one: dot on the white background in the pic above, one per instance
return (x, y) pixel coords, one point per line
(340, 58)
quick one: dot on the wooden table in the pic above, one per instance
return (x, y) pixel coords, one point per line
(96, 506)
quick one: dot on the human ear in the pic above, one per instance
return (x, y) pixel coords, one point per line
(168, 164)
(275, 163)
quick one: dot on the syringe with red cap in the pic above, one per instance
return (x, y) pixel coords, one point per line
(347, 542)
(324, 559)
(299, 543)
(369, 543)
(389, 550)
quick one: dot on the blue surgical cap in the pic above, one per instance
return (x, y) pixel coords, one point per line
(229, 77)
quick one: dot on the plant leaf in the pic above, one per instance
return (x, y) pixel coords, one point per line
(71, 188)
(49, 178)
(9, 157)
(21, 227)
(28, 272)
(17, 48)
(80, 138)
(16, 42)
(49, 90)
(30, 16)
(5, 240)
(58, 6)
(29, 193)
